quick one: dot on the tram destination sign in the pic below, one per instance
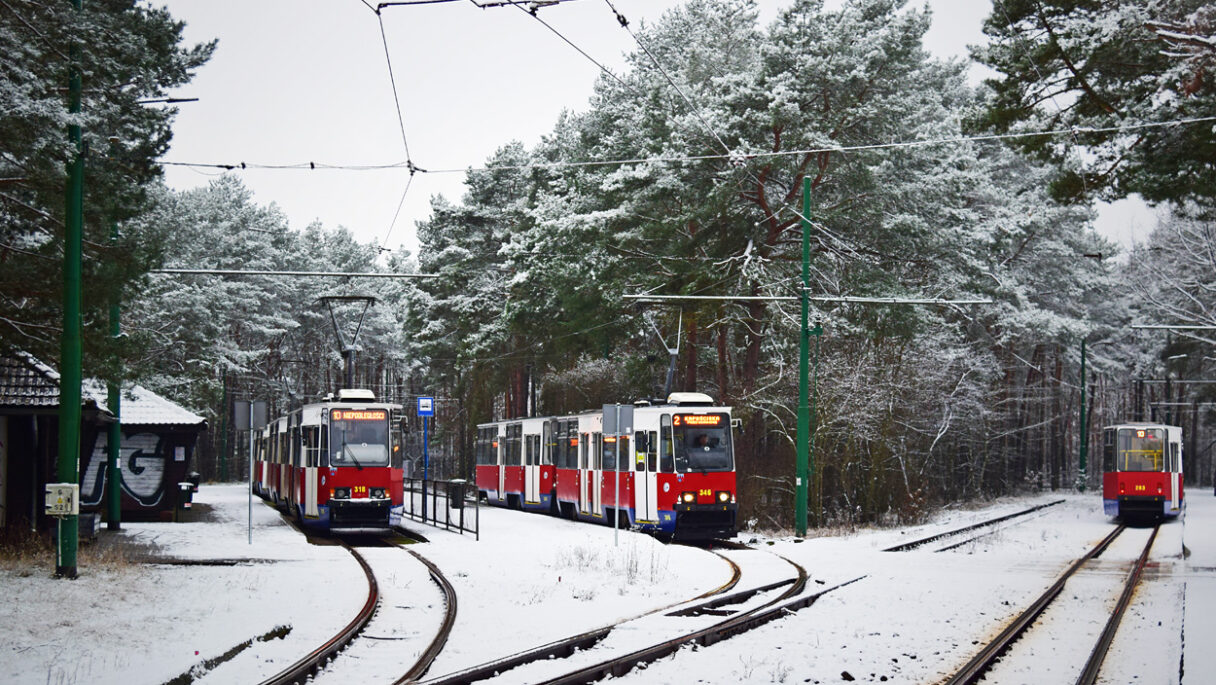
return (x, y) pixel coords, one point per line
(359, 414)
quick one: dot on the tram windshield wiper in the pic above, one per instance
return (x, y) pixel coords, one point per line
(346, 450)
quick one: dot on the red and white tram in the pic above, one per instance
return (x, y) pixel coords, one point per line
(1142, 470)
(674, 474)
(333, 464)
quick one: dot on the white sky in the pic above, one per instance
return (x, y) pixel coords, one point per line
(297, 81)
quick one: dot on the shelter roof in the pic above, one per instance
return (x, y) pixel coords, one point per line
(28, 383)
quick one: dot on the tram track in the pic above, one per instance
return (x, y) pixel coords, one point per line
(316, 662)
(709, 604)
(304, 669)
(983, 662)
(907, 546)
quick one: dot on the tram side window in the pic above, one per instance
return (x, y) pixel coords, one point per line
(593, 452)
(667, 450)
(640, 444)
(1175, 462)
(514, 448)
(608, 453)
(572, 443)
(582, 452)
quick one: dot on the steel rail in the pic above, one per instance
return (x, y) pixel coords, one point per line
(432, 651)
(1089, 675)
(567, 646)
(975, 669)
(965, 529)
(735, 625)
(302, 670)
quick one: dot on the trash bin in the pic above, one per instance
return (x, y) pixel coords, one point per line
(456, 493)
(185, 498)
(194, 479)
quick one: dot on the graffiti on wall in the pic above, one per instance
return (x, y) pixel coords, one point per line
(143, 458)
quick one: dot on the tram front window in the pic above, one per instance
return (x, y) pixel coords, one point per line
(1141, 449)
(702, 442)
(358, 438)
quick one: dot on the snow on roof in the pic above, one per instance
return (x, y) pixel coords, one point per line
(143, 407)
(27, 382)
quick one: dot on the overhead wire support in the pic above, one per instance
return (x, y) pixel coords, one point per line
(301, 274)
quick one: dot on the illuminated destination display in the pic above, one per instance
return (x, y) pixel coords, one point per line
(359, 415)
(697, 420)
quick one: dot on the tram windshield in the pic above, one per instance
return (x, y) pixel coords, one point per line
(1141, 449)
(702, 442)
(358, 437)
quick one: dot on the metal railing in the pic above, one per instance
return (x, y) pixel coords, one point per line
(443, 504)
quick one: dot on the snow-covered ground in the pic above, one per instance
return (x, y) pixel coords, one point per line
(915, 617)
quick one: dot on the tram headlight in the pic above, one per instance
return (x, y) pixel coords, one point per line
(723, 497)
(377, 493)
(688, 497)
(341, 493)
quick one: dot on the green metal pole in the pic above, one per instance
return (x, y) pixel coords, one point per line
(1081, 477)
(69, 344)
(817, 331)
(114, 441)
(224, 435)
(804, 420)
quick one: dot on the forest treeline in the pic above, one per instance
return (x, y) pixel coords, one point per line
(684, 176)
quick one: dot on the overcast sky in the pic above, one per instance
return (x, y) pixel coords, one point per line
(298, 81)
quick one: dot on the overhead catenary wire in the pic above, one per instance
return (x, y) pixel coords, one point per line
(674, 159)
(559, 34)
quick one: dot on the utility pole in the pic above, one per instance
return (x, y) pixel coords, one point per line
(69, 344)
(114, 403)
(802, 469)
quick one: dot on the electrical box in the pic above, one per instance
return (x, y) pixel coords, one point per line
(62, 499)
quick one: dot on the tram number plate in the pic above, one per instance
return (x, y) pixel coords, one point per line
(358, 491)
(1141, 488)
(706, 493)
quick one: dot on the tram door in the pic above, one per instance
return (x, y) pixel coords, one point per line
(532, 468)
(311, 458)
(1175, 464)
(501, 451)
(646, 485)
(589, 474)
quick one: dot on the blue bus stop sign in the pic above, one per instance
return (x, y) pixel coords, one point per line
(426, 406)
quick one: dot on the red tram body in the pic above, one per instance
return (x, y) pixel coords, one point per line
(1142, 470)
(672, 474)
(333, 464)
